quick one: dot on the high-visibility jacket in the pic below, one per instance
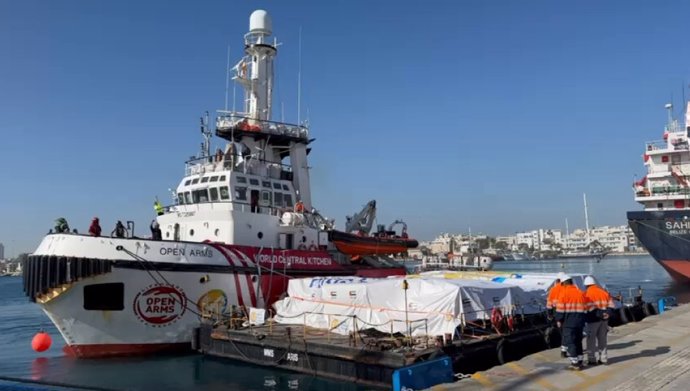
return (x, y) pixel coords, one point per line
(553, 295)
(601, 302)
(158, 207)
(572, 306)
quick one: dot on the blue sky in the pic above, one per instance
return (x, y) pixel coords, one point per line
(495, 115)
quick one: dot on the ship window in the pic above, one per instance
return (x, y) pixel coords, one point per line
(195, 181)
(201, 195)
(104, 297)
(285, 187)
(214, 178)
(204, 179)
(278, 199)
(660, 205)
(187, 182)
(288, 200)
(214, 193)
(241, 193)
(180, 198)
(224, 195)
(187, 198)
(266, 197)
(241, 179)
(276, 186)
(664, 159)
(266, 184)
(222, 178)
(253, 181)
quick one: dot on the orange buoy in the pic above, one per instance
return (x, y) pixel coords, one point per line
(41, 342)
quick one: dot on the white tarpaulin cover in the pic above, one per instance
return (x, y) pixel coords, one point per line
(435, 306)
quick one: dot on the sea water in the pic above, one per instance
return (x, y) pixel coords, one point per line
(20, 320)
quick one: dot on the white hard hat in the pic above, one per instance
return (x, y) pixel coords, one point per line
(589, 280)
(565, 277)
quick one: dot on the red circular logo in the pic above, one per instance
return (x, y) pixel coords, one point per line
(160, 304)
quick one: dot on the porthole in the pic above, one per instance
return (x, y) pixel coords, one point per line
(191, 232)
(167, 234)
(260, 235)
(304, 239)
(217, 232)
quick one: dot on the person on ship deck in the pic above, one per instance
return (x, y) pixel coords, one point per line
(120, 231)
(95, 228)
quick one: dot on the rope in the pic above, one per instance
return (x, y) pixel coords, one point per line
(53, 384)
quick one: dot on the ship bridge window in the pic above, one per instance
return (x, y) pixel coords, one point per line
(214, 193)
(195, 181)
(241, 193)
(104, 297)
(276, 186)
(266, 198)
(253, 181)
(285, 187)
(241, 179)
(224, 194)
(187, 198)
(214, 178)
(278, 199)
(180, 198)
(222, 178)
(266, 184)
(204, 179)
(288, 200)
(200, 196)
(187, 182)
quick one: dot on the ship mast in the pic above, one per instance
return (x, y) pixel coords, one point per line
(584, 196)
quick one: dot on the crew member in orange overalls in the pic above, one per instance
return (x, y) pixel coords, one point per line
(551, 305)
(597, 322)
(572, 307)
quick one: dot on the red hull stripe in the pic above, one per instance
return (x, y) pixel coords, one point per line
(110, 350)
(238, 288)
(252, 295)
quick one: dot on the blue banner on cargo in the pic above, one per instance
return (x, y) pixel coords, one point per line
(498, 279)
(423, 375)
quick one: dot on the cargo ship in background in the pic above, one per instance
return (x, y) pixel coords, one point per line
(242, 224)
(663, 227)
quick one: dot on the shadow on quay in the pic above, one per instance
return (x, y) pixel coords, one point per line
(623, 345)
(644, 353)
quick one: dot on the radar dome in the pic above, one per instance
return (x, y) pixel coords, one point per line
(260, 22)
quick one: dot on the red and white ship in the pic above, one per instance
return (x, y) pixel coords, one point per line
(241, 226)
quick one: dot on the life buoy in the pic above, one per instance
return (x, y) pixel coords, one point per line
(312, 247)
(299, 207)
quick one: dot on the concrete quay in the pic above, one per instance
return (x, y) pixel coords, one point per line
(652, 354)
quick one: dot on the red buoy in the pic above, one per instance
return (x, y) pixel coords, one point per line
(41, 342)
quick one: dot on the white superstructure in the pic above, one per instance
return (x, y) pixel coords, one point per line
(666, 187)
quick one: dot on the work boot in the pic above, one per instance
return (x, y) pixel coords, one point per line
(575, 366)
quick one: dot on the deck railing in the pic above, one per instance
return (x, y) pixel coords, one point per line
(229, 120)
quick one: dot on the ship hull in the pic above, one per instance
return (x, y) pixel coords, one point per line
(113, 297)
(666, 235)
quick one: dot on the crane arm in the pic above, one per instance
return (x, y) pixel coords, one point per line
(362, 221)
